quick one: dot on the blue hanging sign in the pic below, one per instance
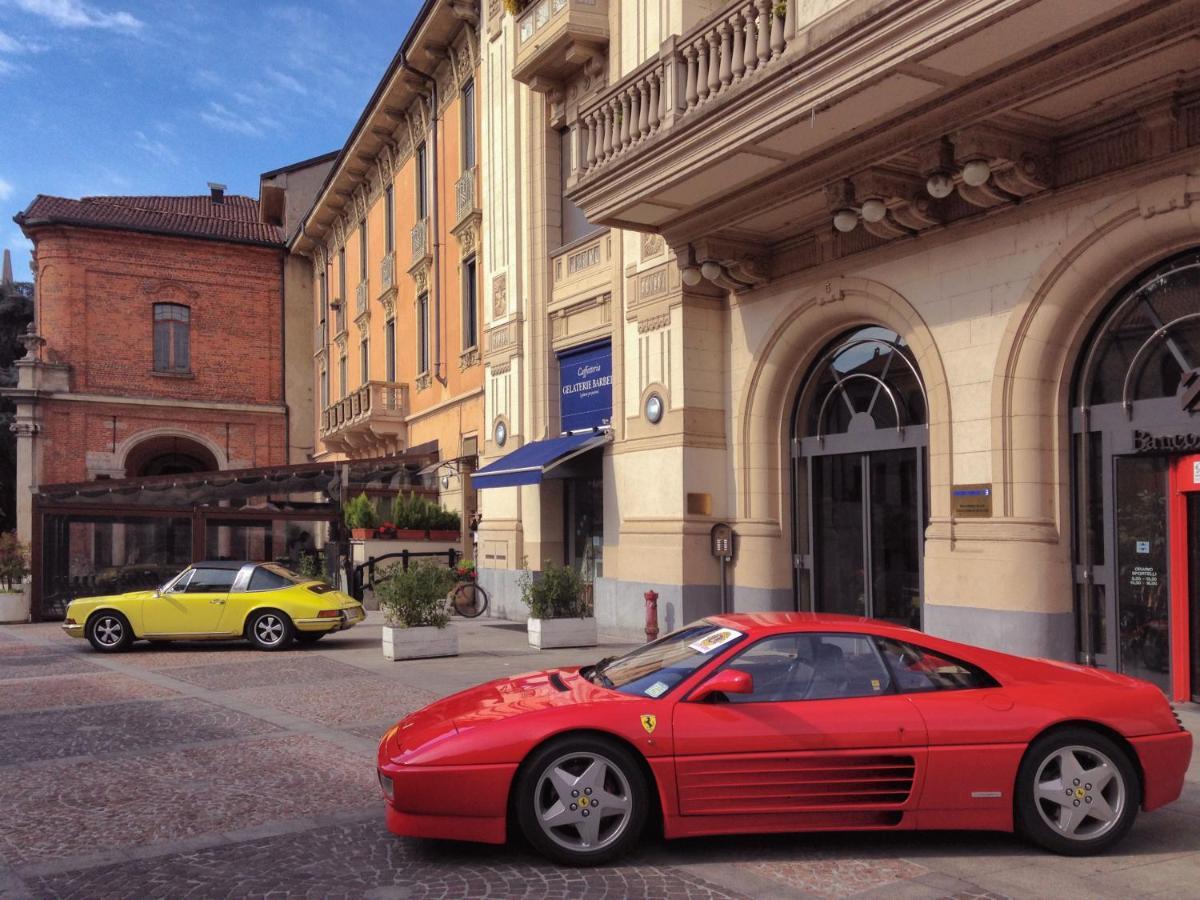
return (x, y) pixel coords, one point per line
(586, 392)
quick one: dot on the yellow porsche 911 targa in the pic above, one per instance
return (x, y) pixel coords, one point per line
(268, 605)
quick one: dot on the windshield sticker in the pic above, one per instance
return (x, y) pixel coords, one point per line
(718, 638)
(657, 689)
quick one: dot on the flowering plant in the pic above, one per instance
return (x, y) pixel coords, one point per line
(465, 570)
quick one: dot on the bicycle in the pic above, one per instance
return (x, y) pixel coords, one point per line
(468, 599)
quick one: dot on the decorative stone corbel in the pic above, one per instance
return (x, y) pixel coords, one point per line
(1018, 166)
(731, 265)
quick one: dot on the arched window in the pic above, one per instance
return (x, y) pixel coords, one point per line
(861, 498)
(1135, 423)
(172, 338)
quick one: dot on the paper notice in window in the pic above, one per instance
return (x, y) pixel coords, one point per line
(718, 638)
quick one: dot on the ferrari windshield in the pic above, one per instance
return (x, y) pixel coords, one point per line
(653, 670)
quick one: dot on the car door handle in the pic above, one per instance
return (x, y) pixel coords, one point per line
(216, 601)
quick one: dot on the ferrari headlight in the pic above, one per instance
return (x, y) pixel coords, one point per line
(388, 787)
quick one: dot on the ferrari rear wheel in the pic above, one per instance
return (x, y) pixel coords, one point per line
(582, 800)
(1077, 792)
(109, 632)
(270, 630)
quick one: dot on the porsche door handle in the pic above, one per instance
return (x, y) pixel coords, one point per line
(218, 602)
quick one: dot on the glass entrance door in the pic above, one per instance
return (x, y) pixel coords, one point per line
(868, 516)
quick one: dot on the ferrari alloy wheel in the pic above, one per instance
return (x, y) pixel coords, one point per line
(582, 801)
(1077, 792)
(109, 632)
(270, 630)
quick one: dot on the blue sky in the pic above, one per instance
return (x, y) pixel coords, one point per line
(163, 96)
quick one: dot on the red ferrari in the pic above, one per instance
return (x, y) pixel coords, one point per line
(787, 722)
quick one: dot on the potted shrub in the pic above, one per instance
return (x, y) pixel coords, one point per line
(408, 514)
(559, 614)
(415, 612)
(361, 517)
(444, 525)
(14, 566)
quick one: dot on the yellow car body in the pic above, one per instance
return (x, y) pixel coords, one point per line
(263, 602)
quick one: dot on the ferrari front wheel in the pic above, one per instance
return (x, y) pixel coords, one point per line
(582, 800)
(1077, 792)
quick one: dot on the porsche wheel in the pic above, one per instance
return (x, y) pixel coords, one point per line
(270, 630)
(582, 801)
(109, 632)
(1077, 792)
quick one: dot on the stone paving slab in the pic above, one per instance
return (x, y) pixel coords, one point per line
(363, 859)
(36, 665)
(90, 805)
(290, 668)
(76, 690)
(118, 727)
(343, 701)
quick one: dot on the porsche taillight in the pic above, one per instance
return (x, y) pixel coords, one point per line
(329, 614)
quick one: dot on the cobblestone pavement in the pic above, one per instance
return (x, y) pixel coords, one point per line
(192, 770)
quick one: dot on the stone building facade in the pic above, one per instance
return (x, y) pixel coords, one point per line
(393, 245)
(904, 293)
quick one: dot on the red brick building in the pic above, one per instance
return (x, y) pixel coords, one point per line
(159, 346)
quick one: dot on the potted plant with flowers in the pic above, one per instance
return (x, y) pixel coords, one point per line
(560, 614)
(444, 525)
(415, 612)
(14, 566)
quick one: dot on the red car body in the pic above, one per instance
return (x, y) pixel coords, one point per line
(951, 757)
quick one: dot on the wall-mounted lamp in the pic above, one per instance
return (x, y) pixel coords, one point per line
(977, 172)
(845, 220)
(874, 210)
(940, 184)
(691, 276)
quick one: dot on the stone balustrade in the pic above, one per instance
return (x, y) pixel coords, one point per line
(374, 402)
(692, 70)
(387, 273)
(420, 240)
(464, 195)
(361, 298)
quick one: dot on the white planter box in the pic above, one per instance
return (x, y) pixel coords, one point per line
(14, 607)
(546, 634)
(419, 643)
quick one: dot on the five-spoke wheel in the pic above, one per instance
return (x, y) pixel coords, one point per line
(582, 800)
(109, 632)
(270, 630)
(1077, 792)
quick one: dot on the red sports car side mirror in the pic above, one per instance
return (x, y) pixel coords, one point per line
(727, 681)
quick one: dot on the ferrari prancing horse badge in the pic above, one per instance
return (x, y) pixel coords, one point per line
(648, 722)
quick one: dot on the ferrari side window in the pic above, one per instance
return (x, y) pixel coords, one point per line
(917, 669)
(806, 666)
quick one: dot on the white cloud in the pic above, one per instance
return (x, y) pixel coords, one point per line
(157, 149)
(77, 14)
(287, 82)
(223, 119)
(10, 44)
(6, 189)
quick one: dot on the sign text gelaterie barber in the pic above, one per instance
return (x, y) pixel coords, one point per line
(586, 393)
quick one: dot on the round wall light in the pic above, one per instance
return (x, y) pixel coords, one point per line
(691, 276)
(500, 434)
(874, 210)
(845, 220)
(654, 409)
(977, 172)
(940, 185)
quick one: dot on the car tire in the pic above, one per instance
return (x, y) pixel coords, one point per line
(1098, 785)
(594, 787)
(309, 637)
(109, 632)
(269, 629)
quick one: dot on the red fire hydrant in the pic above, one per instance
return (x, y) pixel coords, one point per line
(651, 615)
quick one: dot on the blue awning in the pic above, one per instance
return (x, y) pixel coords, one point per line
(529, 464)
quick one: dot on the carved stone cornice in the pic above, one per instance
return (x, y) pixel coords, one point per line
(468, 358)
(423, 381)
(342, 339)
(730, 265)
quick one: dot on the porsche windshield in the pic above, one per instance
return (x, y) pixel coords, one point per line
(653, 670)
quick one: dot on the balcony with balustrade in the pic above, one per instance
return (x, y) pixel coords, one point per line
(369, 421)
(556, 38)
(747, 139)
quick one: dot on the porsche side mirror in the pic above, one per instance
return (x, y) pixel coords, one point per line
(727, 681)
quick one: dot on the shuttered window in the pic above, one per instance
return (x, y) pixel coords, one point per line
(172, 340)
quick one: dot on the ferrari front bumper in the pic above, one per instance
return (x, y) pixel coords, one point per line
(459, 803)
(1164, 759)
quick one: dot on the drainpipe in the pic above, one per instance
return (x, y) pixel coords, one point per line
(434, 222)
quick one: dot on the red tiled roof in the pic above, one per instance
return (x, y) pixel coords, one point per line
(236, 219)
